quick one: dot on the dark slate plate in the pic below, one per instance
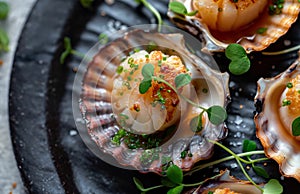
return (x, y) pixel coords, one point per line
(51, 156)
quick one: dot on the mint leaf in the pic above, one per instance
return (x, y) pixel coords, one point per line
(273, 187)
(177, 7)
(148, 71)
(216, 114)
(174, 174)
(182, 80)
(144, 86)
(260, 171)
(249, 145)
(239, 66)
(240, 62)
(235, 51)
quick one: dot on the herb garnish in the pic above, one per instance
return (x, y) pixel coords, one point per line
(4, 9)
(4, 39)
(68, 51)
(216, 114)
(153, 10)
(261, 30)
(86, 3)
(179, 8)
(174, 175)
(240, 62)
(296, 127)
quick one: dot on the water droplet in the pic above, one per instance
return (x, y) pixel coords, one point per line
(238, 120)
(233, 165)
(73, 132)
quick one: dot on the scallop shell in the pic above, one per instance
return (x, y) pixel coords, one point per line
(277, 140)
(225, 181)
(96, 107)
(277, 25)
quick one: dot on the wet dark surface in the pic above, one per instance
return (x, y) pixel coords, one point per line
(51, 156)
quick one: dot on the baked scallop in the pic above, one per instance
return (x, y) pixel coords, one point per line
(277, 102)
(144, 129)
(254, 24)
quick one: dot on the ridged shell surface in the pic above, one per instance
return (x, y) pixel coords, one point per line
(275, 135)
(96, 107)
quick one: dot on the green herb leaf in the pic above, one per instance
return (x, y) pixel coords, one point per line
(273, 187)
(119, 69)
(144, 86)
(86, 3)
(239, 67)
(138, 184)
(192, 13)
(261, 30)
(240, 62)
(103, 38)
(210, 192)
(4, 9)
(182, 80)
(174, 174)
(167, 183)
(249, 145)
(235, 51)
(216, 114)
(260, 171)
(176, 190)
(148, 71)
(296, 127)
(196, 123)
(68, 50)
(179, 8)
(4, 41)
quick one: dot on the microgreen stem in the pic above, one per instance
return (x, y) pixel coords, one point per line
(202, 166)
(173, 88)
(199, 183)
(154, 11)
(77, 53)
(246, 174)
(239, 160)
(231, 152)
(152, 188)
(283, 51)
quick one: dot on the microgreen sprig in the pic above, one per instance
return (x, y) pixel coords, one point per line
(179, 8)
(174, 175)
(153, 10)
(296, 126)
(295, 48)
(216, 114)
(240, 62)
(68, 51)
